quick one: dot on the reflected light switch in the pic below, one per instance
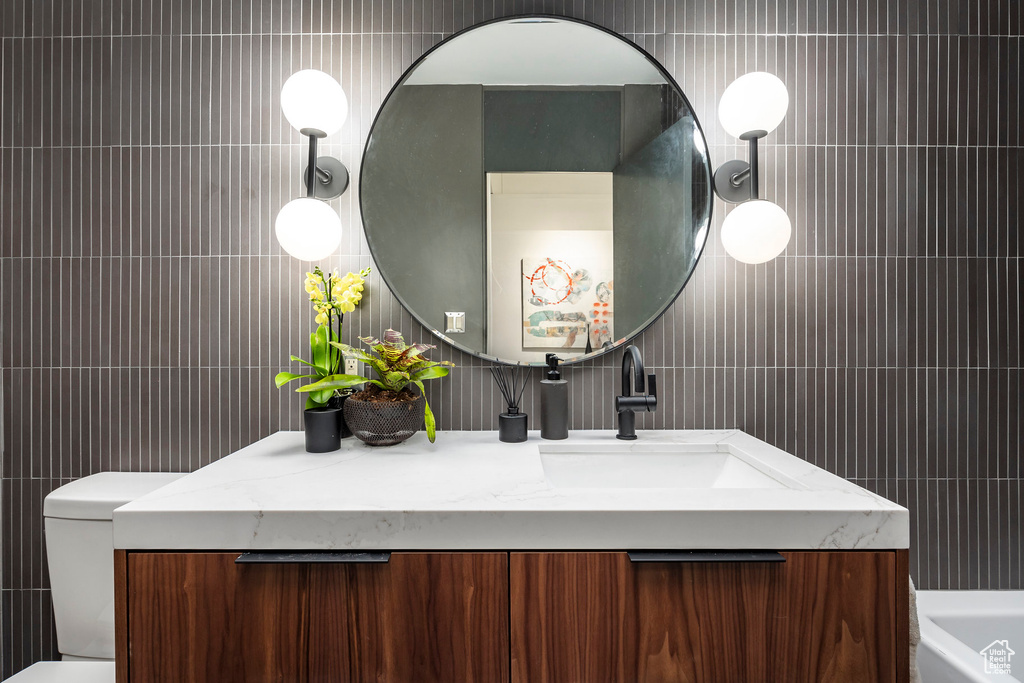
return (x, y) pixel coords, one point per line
(455, 322)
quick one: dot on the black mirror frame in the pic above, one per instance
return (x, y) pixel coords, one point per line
(709, 167)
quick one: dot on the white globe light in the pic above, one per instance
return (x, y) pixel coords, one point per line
(314, 103)
(308, 229)
(753, 102)
(756, 231)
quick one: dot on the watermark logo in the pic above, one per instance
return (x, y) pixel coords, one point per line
(997, 657)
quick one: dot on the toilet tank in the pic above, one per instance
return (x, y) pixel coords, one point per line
(80, 554)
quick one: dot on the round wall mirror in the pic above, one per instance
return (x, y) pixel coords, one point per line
(535, 185)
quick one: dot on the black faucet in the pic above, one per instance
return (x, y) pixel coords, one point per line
(627, 404)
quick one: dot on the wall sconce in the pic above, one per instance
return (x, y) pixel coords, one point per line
(308, 228)
(757, 230)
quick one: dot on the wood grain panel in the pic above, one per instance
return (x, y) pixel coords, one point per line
(593, 617)
(121, 615)
(421, 618)
(201, 617)
(841, 610)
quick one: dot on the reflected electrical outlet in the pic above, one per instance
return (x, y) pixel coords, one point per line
(455, 322)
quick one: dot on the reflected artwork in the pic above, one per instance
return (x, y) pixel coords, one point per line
(567, 306)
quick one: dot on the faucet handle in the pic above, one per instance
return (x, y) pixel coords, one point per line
(652, 393)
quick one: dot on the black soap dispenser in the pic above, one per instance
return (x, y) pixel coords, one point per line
(554, 402)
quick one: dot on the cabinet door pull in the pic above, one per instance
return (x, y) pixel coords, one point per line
(313, 558)
(704, 556)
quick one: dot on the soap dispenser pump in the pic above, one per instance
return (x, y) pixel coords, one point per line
(554, 401)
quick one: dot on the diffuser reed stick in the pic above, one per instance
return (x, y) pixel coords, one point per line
(511, 381)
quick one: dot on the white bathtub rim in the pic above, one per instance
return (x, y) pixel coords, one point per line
(957, 654)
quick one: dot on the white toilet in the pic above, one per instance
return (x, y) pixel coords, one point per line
(80, 551)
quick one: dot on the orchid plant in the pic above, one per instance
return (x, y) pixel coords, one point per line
(396, 365)
(332, 296)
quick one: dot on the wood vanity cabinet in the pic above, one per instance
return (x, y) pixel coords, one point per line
(198, 616)
(528, 617)
(419, 617)
(818, 616)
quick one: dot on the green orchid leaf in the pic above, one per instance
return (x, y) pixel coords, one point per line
(310, 403)
(283, 378)
(296, 358)
(428, 416)
(376, 383)
(334, 382)
(318, 343)
(323, 397)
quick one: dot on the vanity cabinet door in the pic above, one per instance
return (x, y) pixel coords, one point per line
(593, 617)
(201, 617)
(419, 618)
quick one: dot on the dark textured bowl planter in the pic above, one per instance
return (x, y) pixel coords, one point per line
(386, 423)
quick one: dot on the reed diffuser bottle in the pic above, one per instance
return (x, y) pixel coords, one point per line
(511, 381)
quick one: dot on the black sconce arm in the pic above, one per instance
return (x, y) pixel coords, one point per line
(737, 181)
(325, 177)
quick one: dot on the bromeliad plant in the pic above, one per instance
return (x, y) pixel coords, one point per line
(396, 365)
(332, 296)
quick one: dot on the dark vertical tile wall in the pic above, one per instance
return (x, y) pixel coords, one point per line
(146, 305)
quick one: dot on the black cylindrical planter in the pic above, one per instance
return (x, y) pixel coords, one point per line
(339, 403)
(323, 429)
(512, 427)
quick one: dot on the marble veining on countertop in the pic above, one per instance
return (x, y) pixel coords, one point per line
(470, 491)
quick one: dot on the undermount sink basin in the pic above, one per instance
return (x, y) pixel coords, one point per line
(658, 466)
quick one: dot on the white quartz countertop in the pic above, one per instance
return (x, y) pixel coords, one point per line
(470, 491)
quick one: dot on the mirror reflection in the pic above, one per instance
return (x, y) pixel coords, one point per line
(536, 185)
